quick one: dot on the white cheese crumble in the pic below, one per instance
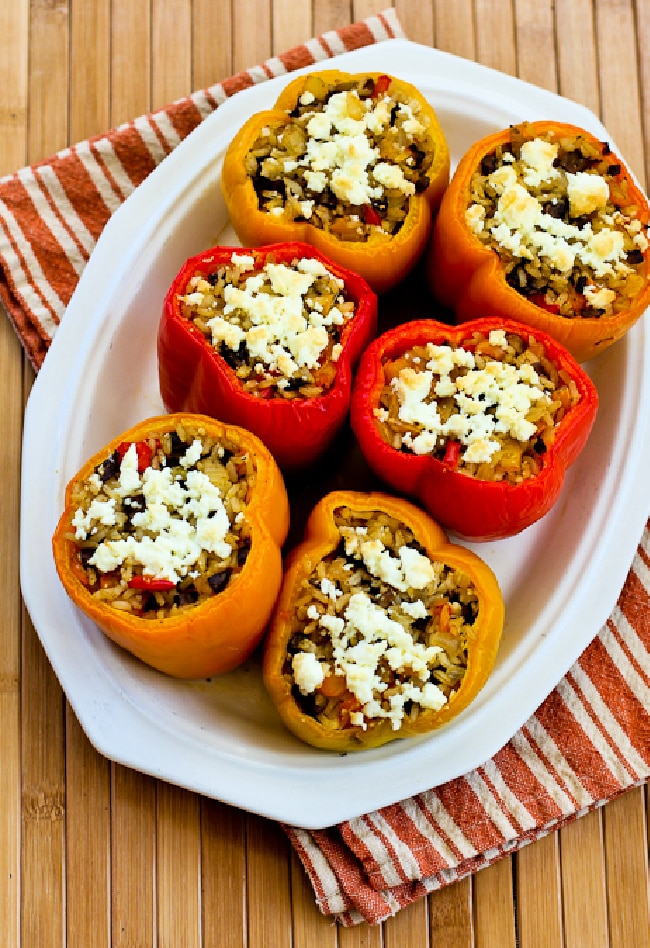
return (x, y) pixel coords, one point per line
(180, 520)
(308, 672)
(365, 635)
(376, 636)
(493, 400)
(340, 152)
(521, 225)
(286, 333)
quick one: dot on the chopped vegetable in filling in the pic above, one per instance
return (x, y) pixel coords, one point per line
(380, 630)
(278, 326)
(160, 524)
(557, 212)
(489, 408)
(347, 159)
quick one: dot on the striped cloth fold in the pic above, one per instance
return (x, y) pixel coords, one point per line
(52, 213)
(586, 744)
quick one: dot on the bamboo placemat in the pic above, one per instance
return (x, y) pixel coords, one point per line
(525, 32)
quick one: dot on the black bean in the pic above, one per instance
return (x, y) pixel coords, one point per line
(150, 603)
(85, 554)
(177, 450)
(187, 596)
(418, 156)
(234, 357)
(488, 164)
(109, 468)
(558, 208)
(243, 550)
(328, 198)
(307, 703)
(573, 161)
(614, 169)
(133, 505)
(263, 185)
(219, 581)
(517, 278)
(635, 256)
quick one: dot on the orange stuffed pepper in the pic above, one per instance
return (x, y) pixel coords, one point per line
(383, 629)
(543, 224)
(353, 164)
(166, 531)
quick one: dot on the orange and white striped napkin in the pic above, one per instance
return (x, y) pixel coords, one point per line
(587, 743)
(52, 213)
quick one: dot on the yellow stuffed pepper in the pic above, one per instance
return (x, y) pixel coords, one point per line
(353, 164)
(383, 629)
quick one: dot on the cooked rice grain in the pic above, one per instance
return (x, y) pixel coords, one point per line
(512, 460)
(232, 324)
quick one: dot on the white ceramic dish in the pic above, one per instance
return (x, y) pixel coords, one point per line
(222, 738)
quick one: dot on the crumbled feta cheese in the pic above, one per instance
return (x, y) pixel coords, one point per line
(284, 334)
(586, 192)
(495, 399)
(338, 144)
(599, 297)
(178, 523)
(521, 226)
(376, 637)
(538, 157)
(193, 454)
(307, 672)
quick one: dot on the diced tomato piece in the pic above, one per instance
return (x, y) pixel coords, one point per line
(381, 86)
(540, 300)
(151, 584)
(370, 216)
(452, 453)
(333, 685)
(142, 450)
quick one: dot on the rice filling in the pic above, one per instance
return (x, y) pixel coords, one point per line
(380, 630)
(489, 408)
(557, 212)
(347, 159)
(278, 326)
(160, 525)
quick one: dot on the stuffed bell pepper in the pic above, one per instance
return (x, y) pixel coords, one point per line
(544, 224)
(478, 422)
(267, 339)
(166, 532)
(383, 629)
(354, 164)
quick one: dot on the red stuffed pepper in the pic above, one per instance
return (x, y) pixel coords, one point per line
(478, 422)
(266, 339)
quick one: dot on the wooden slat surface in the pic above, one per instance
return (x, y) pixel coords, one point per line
(92, 854)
